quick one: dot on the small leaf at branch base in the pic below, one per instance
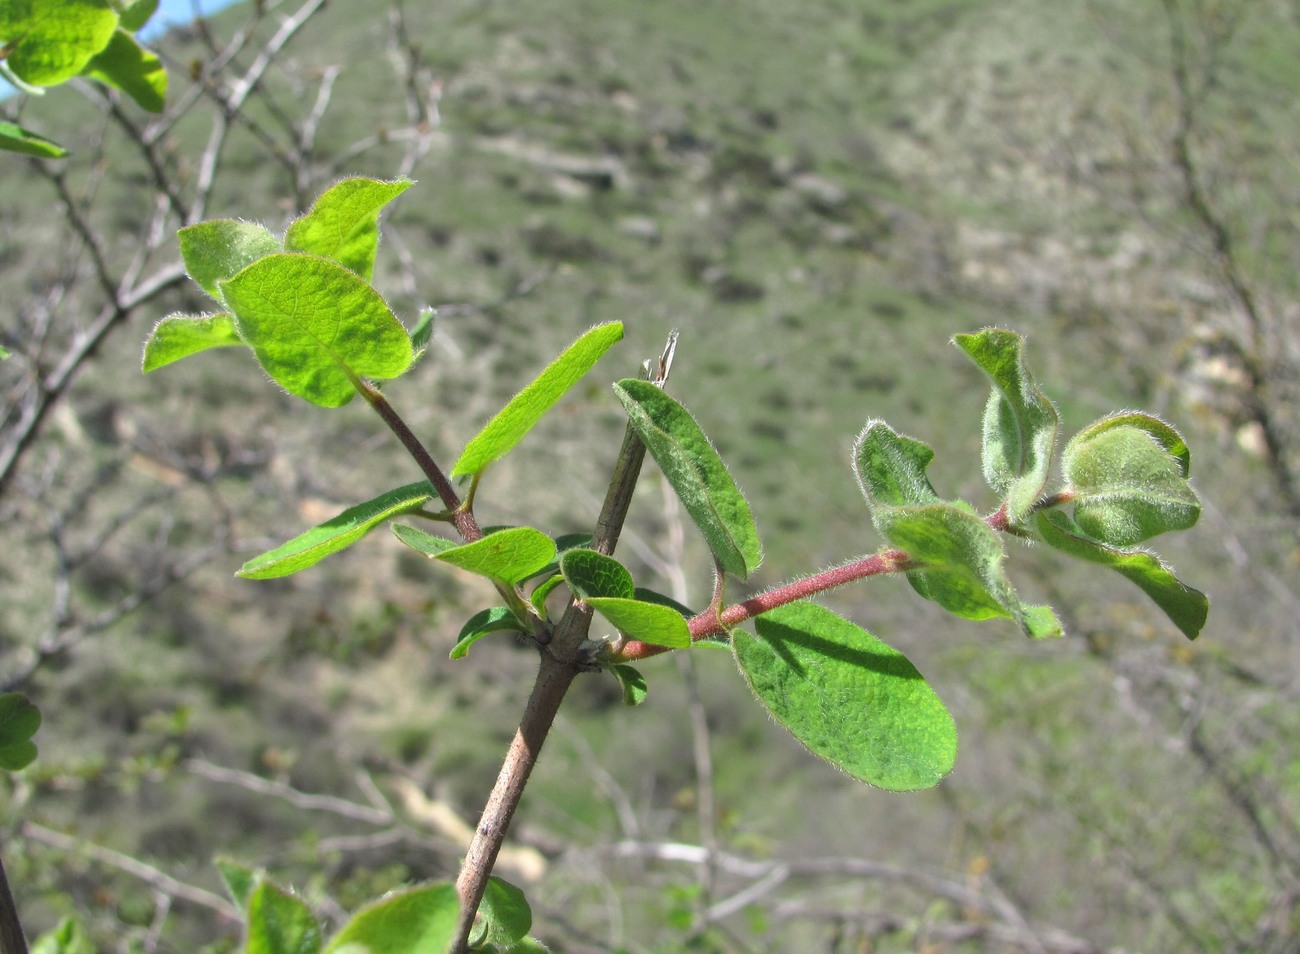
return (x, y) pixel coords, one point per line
(179, 336)
(530, 405)
(19, 720)
(508, 555)
(335, 534)
(648, 622)
(589, 574)
(632, 682)
(415, 921)
(494, 620)
(696, 473)
(15, 138)
(504, 915)
(219, 249)
(848, 697)
(343, 223)
(1186, 607)
(422, 542)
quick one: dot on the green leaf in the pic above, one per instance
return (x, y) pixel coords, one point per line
(1128, 477)
(422, 542)
(648, 622)
(419, 920)
(335, 534)
(136, 15)
(891, 468)
(239, 881)
(530, 405)
(279, 923)
(222, 248)
(343, 224)
(124, 64)
(493, 620)
(68, 937)
(19, 720)
(179, 336)
(315, 326)
(1186, 607)
(542, 590)
(504, 915)
(589, 574)
(696, 473)
(632, 682)
(51, 41)
(423, 330)
(509, 555)
(1019, 421)
(15, 138)
(848, 697)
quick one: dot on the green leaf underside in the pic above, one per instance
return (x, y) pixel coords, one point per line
(544, 589)
(1166, 435)
(1128, 485)
(51, 41)
(415, 921)
(315, 326)
(1020, 423)
(504, 914)
(891, 468)
(1186, 608)
(530, 405)
(632, 682)
(335, 534)
(423, 330)
(222, 248)
(179, 336)
(589, 574)
(649, 622)
(848, 697)
(136, 15)
(422, 542)
(343, 223)
(15, 138)
(124, 64)
(493, 620)
(19, 720)
(279, 923)
(696, 473)
(509, 555)
(238, 880)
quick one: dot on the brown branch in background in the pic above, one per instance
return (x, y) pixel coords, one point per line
(11, 930)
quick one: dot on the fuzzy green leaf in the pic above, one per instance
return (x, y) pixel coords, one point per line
(50, 41)
(335, 534)
(1128, 477)
(493, 620)
(222, 248)
(15, 138)
(530, 405)
(315, 326)
(589, 574)
(696, 473)
(508, 555)
(848, 697)
(649, 622)
(421, 542)
(124, 64)
(632, 682)
(1020, 423)
(179, 336)
(891, 468)
(19, 720)
(504, 916)
(279, 923)
(1186, 607)
(419, 920)
(343, 223)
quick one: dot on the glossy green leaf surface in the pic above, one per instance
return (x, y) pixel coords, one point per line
(15, 138)
(179, 336)
(222, 248)
(1128, 476)
(589, 574)
(419, 920)
(509, 555)
(124, 64)
(50, 41)
(19, 720)
(848, 697)
(1186, 607)
(315, 326)
(648, 622)
(696, 473)
(335, 534)
(1020, 423)
(525, 409)
(632, 683)
(279, 923)
(343, 223)
(495, 619)
(503, 916)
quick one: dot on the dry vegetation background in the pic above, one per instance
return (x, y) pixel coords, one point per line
(818, 195)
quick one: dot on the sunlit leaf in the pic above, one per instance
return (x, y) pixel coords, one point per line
(50, 41)
(848, 697)
(696, 473)
(221, 248)
(279, 923)
(589, 574)
(15, 138)
(418, 920)
(336, 533)
(504, 916)
(891, 468)
(632, 683)
(648, 622)
(530, 405)
(179, 336)
(135, 15)
(124, 64)
(343, 223)
(508, 555)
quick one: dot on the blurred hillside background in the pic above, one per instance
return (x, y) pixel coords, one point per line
(818, 196)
